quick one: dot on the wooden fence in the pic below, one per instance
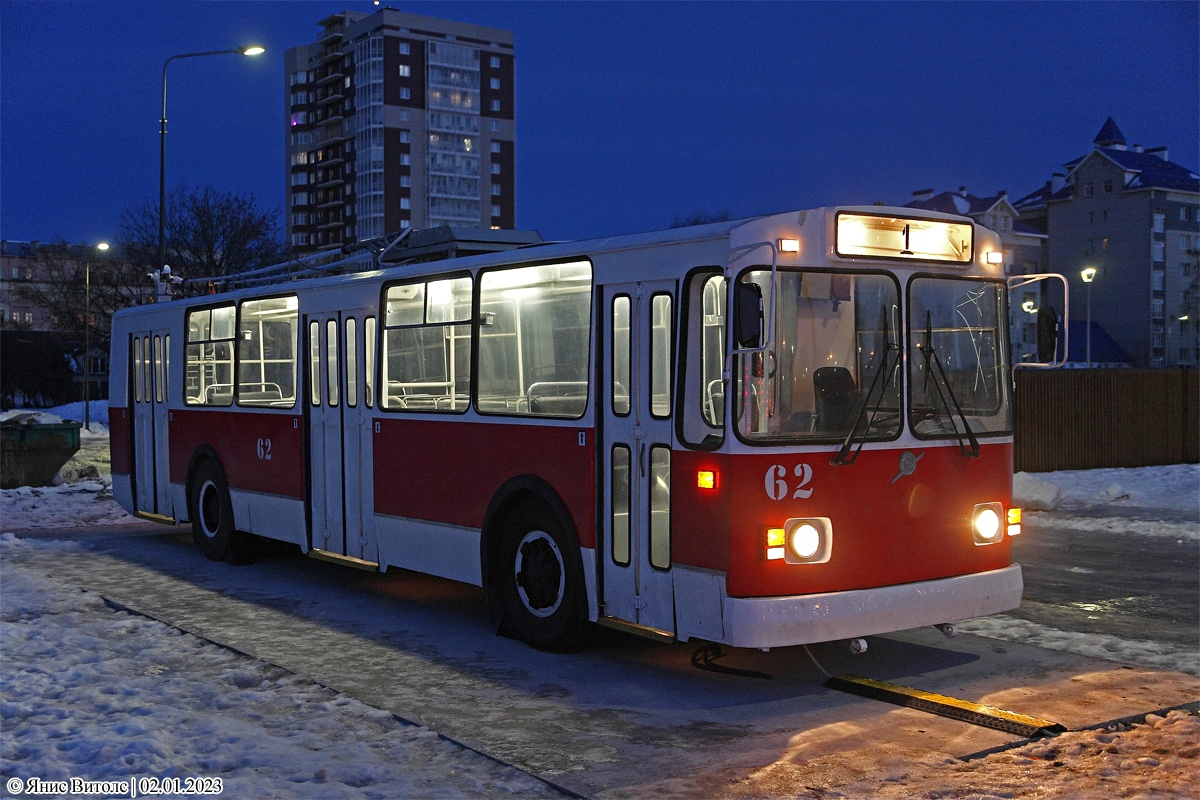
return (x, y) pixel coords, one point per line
(1090, 418)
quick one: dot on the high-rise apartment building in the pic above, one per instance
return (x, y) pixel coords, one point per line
(396, 120)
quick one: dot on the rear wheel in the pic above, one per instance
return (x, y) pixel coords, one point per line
(541, 581)
(212, 517)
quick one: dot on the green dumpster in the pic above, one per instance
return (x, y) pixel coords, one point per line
(31, 453)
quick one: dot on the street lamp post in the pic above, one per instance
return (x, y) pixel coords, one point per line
(253, 50)
(87, 337)
(1088, 276)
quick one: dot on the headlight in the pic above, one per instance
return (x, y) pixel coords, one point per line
(809, 540)
(985, 524)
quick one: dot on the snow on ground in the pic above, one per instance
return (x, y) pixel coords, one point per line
(92, 692)
(104, 695)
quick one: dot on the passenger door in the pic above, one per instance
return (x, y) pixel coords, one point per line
(339, 395)
(149, 366)
(637, 585)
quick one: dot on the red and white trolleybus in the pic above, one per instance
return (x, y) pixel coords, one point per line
(766, 432)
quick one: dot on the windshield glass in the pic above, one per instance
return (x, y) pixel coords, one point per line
(957, 365)
(832, 362)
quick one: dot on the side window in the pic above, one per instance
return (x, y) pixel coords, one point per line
(314, 362)
(331, 361)
(266, 352)
(427, 346)
(369, 355)
(701, 412)
(158, 369)
(209, 357)
(619, 503)
(534, 338)
(620, 355)
(662, 328)
(351, 362)
(137, 370)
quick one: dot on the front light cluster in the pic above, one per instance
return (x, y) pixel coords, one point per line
(988, 523)
(801, 540)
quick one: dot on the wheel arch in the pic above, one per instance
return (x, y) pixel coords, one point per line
(200, 455)
(517, 493)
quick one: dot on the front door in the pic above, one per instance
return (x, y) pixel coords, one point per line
(637, 379)
(339, 391)
(149, 367)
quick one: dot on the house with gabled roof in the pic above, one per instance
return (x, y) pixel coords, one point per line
(1133, 215)
(1024, 253)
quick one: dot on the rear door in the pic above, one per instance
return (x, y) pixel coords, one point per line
(149, 368)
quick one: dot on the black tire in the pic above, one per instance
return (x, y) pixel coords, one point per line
(541, 581)
(212, 517)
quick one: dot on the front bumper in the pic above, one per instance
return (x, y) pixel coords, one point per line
(803, 619)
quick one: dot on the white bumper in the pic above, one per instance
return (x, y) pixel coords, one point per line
(783, 621)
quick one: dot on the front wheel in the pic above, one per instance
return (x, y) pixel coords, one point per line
(212, 517)
(541, 582)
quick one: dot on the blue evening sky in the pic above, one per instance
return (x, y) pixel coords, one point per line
(629, 115)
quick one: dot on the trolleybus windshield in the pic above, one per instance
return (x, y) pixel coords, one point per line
(958, 373)
(832, 363)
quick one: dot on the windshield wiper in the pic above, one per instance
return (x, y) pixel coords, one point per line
(948, 397)
(844, 456)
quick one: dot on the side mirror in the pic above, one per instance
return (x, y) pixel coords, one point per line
(748, 315)
(1047, 335)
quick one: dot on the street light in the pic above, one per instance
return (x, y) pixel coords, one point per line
(1089, 275)
(87, 337)
(252, 50)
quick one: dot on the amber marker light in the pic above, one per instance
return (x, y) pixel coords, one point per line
(1014, 522)
(775, 549)
(706, 479)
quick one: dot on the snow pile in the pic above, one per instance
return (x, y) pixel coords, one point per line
(68, 505)
(1175, 487)
(104, 695)
(1033, 495)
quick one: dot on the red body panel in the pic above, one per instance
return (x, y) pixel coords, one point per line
(260, 452)
(886, 529)
(118, 440)
(449, 471)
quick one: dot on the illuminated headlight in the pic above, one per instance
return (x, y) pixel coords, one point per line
(808, 540)
(985, 523)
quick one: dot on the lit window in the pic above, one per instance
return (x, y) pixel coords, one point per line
(405, 71)
(495, 62)
(494, 83)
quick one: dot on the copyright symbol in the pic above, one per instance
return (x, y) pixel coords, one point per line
(15, 785)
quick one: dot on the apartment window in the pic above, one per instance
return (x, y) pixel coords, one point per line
(495, 105)
(493, 125)
(405, 137)
(405, 50)
(405, 160)
(405, 93)
(405, 181)
(495, 189)
(405, 71)
(494, 83)
(495, 62)
(495, 211)
(1156, 251)
(405, 203)
(495, 147)
(1184, 241)
(1108, 185)
(1185, 269)
(1185, 214)
(495, 169)
(1160, 220)
(1089, 189)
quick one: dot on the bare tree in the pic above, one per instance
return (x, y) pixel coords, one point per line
(209, 234)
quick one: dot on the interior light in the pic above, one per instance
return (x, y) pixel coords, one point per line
(789, 245)
(706, 479)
